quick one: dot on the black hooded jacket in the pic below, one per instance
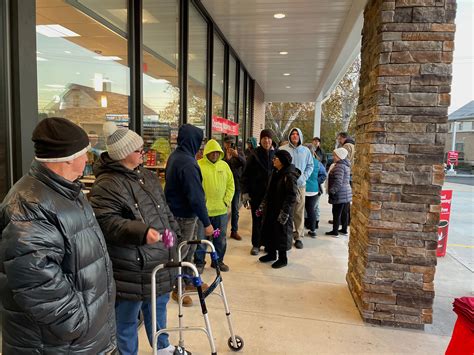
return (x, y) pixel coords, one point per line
(127, 203)
(56, 281)
(280, 197)
(183, 189)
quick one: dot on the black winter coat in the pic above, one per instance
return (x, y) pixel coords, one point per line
(280, 197)
(56, 281)
(257, 172)
(127, 203)
(339, 188)
(236, 165)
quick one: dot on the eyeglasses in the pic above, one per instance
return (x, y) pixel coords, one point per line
(140, 151)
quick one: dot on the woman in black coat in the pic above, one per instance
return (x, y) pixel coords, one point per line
(277, 208)
(254, 182)
(340, 191)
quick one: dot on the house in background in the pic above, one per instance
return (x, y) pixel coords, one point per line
(461, 126)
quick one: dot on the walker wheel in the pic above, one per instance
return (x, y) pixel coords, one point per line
(239, 341)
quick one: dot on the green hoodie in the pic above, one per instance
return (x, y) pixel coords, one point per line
(217, 181)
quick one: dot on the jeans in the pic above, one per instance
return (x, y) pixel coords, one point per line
(317, 211)
(187, 227)
(126, 316)
(340, 216)
(235, 211)
(200, 253)
(220, 243)
(309, 205)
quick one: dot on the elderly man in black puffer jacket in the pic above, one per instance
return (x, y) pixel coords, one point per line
(131, 208)
(56, 281)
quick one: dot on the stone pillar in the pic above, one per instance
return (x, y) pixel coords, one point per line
(407, 51)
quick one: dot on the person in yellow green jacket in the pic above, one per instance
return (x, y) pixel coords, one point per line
(218, 184)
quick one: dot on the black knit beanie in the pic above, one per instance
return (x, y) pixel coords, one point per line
(284, 157)
(57, 139)
(266, 133)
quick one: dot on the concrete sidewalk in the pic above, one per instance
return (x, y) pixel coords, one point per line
(306, 308)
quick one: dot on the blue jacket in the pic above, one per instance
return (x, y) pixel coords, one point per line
(317, 178)
(183, 189)
(302, 158)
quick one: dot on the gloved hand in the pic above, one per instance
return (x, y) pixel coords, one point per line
(283, 217)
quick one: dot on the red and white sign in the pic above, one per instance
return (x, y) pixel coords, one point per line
(453, 157)
(221, 125)
(443, 227)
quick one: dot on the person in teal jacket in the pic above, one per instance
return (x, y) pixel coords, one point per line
(313, 192)
(218, 184)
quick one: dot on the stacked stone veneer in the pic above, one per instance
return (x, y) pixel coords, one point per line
(407, 50)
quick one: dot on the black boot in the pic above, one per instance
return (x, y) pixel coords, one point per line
(269, 257)
(282, 260)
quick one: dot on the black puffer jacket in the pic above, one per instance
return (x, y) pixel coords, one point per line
(56, 279)
(256, 175)
(339, 188)
(127, 203)
(280, 198)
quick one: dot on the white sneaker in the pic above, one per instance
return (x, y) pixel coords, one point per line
(166, 351)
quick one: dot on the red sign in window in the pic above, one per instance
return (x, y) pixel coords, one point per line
(222, 125)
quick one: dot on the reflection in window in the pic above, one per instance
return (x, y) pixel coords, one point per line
(232, 84)
(241, 104)
(82, 69)
(160, 79)
(197, 69)
(218, 77)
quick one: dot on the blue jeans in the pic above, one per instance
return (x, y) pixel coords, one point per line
(220, 243)
(235, 211)
(188, 232)
(126, 316)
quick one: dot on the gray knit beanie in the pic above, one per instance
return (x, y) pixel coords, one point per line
(121, 141)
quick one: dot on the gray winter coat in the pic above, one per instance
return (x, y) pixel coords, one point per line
(127, 203)
(339, 188)
(56, 281)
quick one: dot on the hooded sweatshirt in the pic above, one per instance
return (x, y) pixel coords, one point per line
(217, 181)
(183, 189)
(302, 157)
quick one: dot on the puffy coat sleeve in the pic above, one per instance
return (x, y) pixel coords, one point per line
(291, 194)
(247, 174)
(322, 174)
(172, 221)
(337, 179)
(108, 199)
(33, 254)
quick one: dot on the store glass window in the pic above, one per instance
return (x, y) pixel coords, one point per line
(3, 99)
(218, 77)
(197, 69)
(231, 88)
(241, 104)
(248, 119)
(161, 91)
(82, 64)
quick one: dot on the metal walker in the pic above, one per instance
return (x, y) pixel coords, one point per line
(235, 342)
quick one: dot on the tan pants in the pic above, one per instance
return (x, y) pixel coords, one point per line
(298, 216)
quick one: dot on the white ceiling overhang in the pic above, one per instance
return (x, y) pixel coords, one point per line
(322, 38)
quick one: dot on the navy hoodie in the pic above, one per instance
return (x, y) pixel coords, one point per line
(183, 189)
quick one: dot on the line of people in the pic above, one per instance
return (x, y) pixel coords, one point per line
(75, 273)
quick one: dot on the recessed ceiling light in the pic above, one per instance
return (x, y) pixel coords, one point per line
(288, 87)
(55, 31)
(39, 59)
(110, 57)
(286, 74)
(279, 16)
(283, 53)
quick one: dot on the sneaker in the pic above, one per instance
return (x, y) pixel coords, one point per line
(192, 288)
(340, 231)
(312, 234)
(254, 251)
(235, 235)
(279, 264)
(173, 350)
(223, 267)
(332, 234)
(298, 244)
(187, 301)
(267, 258)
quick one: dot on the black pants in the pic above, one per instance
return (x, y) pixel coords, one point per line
(256, 226)
(340, 216)
(310, 203)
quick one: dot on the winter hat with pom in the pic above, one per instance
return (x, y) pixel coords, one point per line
(121, 141)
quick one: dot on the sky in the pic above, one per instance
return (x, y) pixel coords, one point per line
(462, 90)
